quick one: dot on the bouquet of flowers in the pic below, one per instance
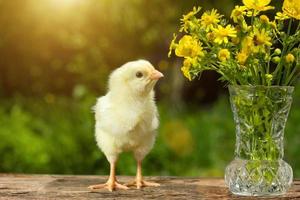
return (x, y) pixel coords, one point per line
(250, 49)
(260, 61)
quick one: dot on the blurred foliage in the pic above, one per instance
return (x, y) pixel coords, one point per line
(81, 41)
(55, 56)
(54, 135)
(76, 41)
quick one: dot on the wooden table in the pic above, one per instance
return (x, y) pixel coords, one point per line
(75, 187)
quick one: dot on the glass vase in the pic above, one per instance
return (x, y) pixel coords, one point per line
(260, 114)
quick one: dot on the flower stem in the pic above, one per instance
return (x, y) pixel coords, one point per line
(285, 47)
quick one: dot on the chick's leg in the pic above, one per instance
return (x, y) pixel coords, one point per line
(111, 183)
(139, 182)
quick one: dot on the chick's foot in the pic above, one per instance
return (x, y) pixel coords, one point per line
(141, 183)
(110, 185)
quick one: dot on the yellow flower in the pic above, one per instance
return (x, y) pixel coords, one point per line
(247, 45)
(258, 5)
(289, 58)
(186, 72)
(264, 19)
(191, 14)
(292, 8)
(223, 55)
(222, 34)
(242, 57)
(173, 45)
(187, 64)
(186, 19)
(261, 39)
(237, 13)
(210, 36)
(209, 19)
(235, 40)
(189, 47)
(281, 16)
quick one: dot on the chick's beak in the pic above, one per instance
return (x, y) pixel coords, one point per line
(155, 75)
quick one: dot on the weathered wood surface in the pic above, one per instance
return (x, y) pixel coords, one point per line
(75, 187)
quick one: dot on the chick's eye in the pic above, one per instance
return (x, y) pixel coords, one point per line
(139, 74)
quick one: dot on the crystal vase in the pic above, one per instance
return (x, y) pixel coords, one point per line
(260, 115)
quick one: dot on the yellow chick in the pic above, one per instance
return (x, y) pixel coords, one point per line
(127, 118)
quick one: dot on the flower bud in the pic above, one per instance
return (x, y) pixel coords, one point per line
(273, 25)
(210, 36)
(235, 40)
(276, 59)
(264, 18)
(269, 77)
(267, 57)
(223, 55)
(289, 58)
(277, 51)
(282, 34)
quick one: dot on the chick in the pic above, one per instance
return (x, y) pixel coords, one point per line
(127, 118)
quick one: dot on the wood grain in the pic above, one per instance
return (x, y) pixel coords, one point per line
(75, 187)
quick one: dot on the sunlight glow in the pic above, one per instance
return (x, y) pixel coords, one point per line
(65, 3)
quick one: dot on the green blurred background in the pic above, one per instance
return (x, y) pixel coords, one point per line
(55, 57)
